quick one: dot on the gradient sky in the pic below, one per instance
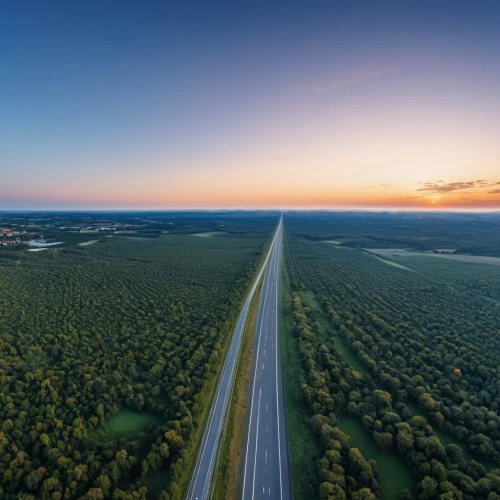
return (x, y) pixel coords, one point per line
(358, 104)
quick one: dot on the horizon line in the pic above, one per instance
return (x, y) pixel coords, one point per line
(260, 209)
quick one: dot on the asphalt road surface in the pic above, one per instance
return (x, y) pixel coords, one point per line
(266, 468)
(200, 485)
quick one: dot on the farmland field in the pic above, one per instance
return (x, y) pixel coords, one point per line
(109, 354)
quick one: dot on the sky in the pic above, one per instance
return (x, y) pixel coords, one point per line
(259, 104)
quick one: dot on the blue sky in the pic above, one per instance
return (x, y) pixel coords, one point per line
(185, 104)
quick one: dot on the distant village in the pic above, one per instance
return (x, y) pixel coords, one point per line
(10, 237)
(36, 232)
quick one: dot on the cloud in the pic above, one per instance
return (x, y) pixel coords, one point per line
(440, 187)
(356, 77)
(494, 191)
(376, 186)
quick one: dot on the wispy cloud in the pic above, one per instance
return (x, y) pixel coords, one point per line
(356, 77)
(440, 187)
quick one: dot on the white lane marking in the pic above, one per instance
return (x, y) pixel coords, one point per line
(266, 407)
(266, 455)
(254, 378)
(277, 401)
(256, 446)
(262, 365)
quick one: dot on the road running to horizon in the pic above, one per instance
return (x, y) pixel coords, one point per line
(201, 482)
(266, 471)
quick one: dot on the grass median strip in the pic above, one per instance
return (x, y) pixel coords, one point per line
(227, 485)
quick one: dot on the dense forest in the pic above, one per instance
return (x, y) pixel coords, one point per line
(108, 355)
(463, 232)
(414, 358)
(474, 279)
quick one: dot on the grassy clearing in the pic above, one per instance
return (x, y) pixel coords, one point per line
(125, 423)
(309, 299)
(227, 485)
(304, 449)
(393, 475)
(210, 233)
(397, 252)
(392, 263)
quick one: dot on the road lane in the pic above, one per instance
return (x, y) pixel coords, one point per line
(266, 472)
(200, 485)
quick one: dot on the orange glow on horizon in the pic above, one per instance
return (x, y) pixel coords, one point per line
(226, 196)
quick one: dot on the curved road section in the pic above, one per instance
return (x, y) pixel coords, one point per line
(266, 473)
(201, 482)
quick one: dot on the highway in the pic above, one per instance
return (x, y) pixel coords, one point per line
(200, 486)
(266, 473)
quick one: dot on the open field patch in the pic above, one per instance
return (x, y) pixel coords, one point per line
(392, 263)
(126, 423)
(398, 252)
(394, 476)
(209, 234)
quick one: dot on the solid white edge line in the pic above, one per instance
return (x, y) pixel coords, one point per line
(277, 399)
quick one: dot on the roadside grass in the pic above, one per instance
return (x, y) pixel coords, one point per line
(227, 484)
(394, 475)
(303, 447)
